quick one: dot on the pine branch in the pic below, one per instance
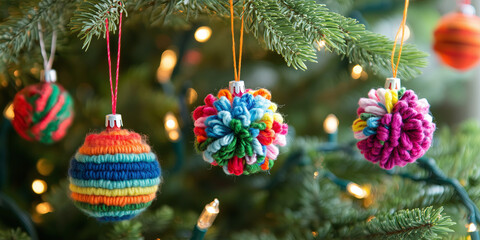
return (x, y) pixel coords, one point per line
(20, 31)
(12, 234)
(126, 230)
(89, 18)
(426, 223)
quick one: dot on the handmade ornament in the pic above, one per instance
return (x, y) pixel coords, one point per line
(239, 130)
(457, 38)
(394, 126)
(43, 112)
(114, 176)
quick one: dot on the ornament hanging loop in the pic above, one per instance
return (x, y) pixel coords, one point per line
(401, 30)
(236, 71)
(393, 84)
(237, 88)
(113, 121)
(48, 74)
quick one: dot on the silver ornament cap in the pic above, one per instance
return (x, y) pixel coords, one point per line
(237, 87)
(466, 9)
(393, 84)
(113, 120)
(49, 76)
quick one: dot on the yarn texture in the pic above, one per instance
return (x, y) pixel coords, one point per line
(395, 127)
(457, 40)
(240, 133)
(114, 176)
(43, 112)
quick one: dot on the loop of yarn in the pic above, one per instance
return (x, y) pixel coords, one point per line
(43, 112)
(114, 176)
(395, 127)
(239, 133)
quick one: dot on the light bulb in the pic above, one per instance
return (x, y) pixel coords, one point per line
(171, 126)
(203, 34)
(43, 208)
(167, 64)
(330, 124)
(8, 112)
(39, 186)
(192, 95)
(44, 167)
(208, 215)
(356, 191)
(406, 35)
(471, 227)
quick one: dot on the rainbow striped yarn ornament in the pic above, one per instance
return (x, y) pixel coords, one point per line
(239, 130)
(394, 127)
(43, 112)
(114, 176)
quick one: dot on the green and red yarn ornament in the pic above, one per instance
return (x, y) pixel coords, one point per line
(239, 130)
(43, 112)
(114, 176)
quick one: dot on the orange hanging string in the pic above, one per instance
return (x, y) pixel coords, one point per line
(402, 29)
(236, 72)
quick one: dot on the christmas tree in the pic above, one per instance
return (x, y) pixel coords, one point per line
(315, 57)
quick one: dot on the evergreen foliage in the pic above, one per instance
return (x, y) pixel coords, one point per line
(291, 28)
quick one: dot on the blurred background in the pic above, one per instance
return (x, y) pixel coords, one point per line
(165, 72)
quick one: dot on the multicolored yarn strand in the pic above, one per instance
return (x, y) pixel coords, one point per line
(240, 132)
(394, 126)
(114, 176)
(43, 112)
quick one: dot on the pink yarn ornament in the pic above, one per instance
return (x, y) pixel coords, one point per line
(394, 126)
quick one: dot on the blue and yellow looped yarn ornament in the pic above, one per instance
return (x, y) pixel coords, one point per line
(239, 131)
(114, 176)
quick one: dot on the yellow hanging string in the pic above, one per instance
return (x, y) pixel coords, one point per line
(237, 73)
(402, 28)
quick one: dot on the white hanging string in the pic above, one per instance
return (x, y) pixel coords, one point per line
(47, 61)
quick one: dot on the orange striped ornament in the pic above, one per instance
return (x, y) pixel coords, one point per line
(457, 40)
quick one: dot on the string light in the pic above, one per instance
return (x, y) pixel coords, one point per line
(357, 71)
(202, 34)
(208, 215)
(8, 112)
(330, 125)
(192, 95)
(407, 33)
(171, 126)
(39, 186)
(44, 208)
(356, 191)
(44, 167)
(167, 64)
(471, 227)
(315, 175)
(320, 45)
(16, 73)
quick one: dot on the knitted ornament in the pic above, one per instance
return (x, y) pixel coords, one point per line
(239, 130)
(114, 176)
(43, 112)
(457, 40)
(394, 127)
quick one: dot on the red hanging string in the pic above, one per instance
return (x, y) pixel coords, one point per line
(114, 96)
(466, 1)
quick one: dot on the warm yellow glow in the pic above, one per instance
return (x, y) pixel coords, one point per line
(171, 122)
(471, 227)
(8, 112)
(356, 191)
(314, 234)
(407, 33)
(39, 186)
(167, 63)
(315, 175)
(203, 34)
(330, 124)
(43, 208)
(16, 73)
(192, 95)
(34, 70)
(357, 69)
(18, 82)
(320, 45)
(44, 167)
(370, 218)
(208, 215)
(173, 135)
